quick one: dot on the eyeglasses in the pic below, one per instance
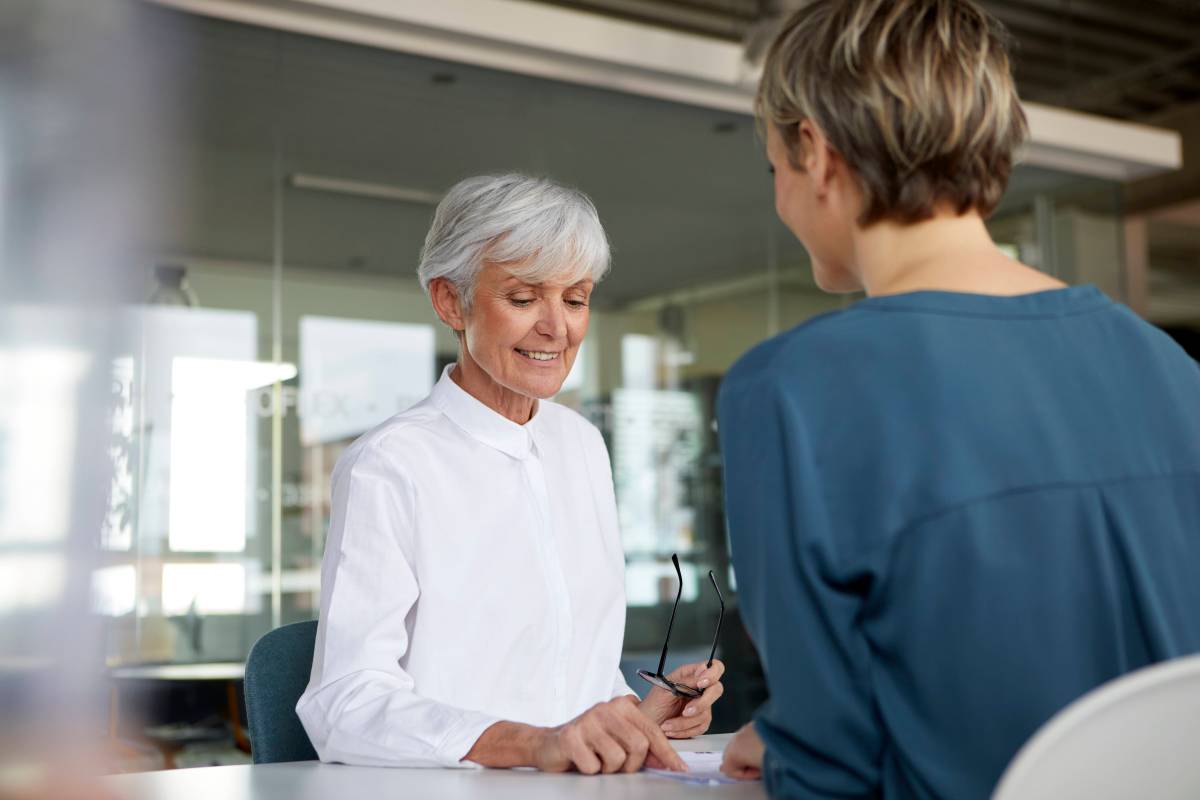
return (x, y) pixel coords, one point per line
(657, 678)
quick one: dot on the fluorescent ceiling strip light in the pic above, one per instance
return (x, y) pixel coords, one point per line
(376, 191)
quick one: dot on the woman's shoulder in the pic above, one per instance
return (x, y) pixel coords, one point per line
(395, 437)
(810, 347)
(576, 440)
(559, 419)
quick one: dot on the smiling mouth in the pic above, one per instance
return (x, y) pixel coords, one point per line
(539, 355)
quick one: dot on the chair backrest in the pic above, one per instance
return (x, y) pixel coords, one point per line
(1136, 736)
(277, 670)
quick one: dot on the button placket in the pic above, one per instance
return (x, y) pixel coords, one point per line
(555, 580)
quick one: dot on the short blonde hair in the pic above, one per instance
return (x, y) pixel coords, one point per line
(916, 96)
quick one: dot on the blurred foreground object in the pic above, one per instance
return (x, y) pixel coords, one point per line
(79, 87)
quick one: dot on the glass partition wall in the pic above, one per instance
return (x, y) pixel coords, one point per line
(283, 319)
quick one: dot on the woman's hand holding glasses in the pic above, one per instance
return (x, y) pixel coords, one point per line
(681, 701)
(683, 717)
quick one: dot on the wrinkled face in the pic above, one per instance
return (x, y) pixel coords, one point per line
(525, 336)
(821, 223)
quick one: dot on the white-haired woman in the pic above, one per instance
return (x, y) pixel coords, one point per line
(472, 594)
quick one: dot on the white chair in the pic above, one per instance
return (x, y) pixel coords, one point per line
(1135, 737)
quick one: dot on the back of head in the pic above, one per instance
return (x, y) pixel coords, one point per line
(916, 96)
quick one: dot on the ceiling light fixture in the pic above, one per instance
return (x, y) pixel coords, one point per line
(376, 191)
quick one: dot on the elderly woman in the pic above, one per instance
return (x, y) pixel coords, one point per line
(472, 595)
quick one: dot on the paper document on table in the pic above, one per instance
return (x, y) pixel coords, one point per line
(704, 769)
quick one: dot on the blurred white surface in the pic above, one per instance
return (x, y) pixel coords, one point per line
(1137, 736)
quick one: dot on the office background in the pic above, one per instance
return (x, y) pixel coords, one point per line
(276, 314)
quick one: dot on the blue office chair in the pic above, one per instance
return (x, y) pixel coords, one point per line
(277, 671)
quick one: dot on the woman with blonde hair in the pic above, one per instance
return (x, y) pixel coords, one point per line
(958, 504)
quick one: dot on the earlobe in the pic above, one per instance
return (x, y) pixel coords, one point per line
(446, 303)
(820, 159)
(824, 165)
(825, 169)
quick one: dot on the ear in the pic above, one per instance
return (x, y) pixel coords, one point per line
(819, 158)
(447, 303)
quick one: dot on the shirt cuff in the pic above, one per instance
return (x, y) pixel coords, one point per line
(459, 740)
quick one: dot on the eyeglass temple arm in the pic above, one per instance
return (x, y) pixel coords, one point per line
(662, 660)
(720, 618)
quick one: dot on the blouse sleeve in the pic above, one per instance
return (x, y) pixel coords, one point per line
(621, 688)
(820, 727)
(360, 707)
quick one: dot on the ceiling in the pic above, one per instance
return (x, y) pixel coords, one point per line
(1118, 58)
(683, 191)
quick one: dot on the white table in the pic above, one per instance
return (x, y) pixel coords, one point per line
(311, 780)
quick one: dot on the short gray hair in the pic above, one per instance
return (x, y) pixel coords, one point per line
(545, 231)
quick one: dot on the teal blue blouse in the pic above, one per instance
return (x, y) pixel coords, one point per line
(950, 516)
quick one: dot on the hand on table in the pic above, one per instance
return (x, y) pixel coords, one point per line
(684, 717)
(744, 754)
(609, 737)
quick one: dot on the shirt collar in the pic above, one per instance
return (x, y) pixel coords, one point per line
(479, 421)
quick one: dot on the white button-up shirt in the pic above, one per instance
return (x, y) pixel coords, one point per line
(473, 573)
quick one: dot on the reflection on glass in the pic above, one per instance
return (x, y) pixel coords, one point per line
(197, 367)
(114, 590)
(204, 589)
(656, 442)
(639, 361)
(116, 533)
(651, 583)
(210, 426)
(357, 373)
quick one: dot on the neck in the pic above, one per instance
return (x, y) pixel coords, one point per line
(504, 401)
(948, 252)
